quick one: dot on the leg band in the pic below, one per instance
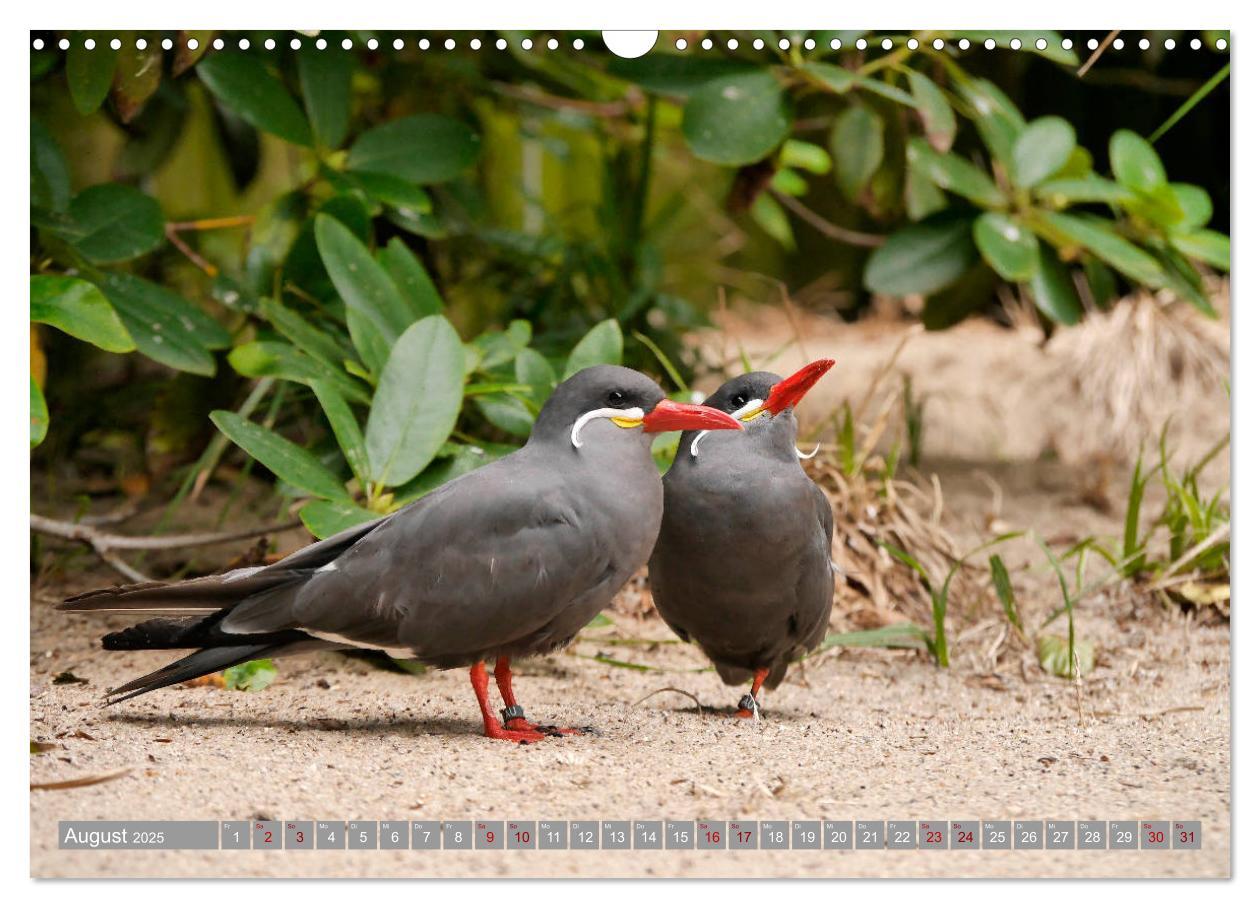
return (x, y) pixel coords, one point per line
(516, 711)
(748, 702)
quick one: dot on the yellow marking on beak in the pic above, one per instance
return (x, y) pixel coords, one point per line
(752, 414)
(627, 423)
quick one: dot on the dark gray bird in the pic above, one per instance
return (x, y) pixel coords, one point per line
(742, 566)
(509, 560)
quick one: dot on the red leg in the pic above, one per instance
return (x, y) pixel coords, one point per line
(481, 687)
(759, 678)
(503, 677)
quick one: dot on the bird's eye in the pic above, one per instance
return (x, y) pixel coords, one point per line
(739, 400)
(616, 398)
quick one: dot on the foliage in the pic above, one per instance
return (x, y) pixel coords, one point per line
(397, 276)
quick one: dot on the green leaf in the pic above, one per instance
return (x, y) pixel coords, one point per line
(675, 74)
(770, 217)
(308, 338)
(50, 177)
(79, 309)
(363, 284)
(417, 401)
(938, 117)
(1135, 163)
(830, 76)
(1089, 188)
(115, 223)
(89, 73)
(345, 428)
(423, 148)
(1041, 150)
(258, 359)
(137, 77)
(857, 148)
(921, 258)
(401, 194)
(250, 676)
(1204, 246)
(499, 347)
(1052, 289)
(325, 79)
(328, 518)
(996, 117)
(602, 345)
(413, 282)
(894, 636)
(1005, 593)
(244, 84)
(885, 90)
(1099, 238)
(1195, 205)
(1007, 245)
(737, 119)
(165, 326)
(533, 369)
(805, 156)
(1053, 656)
(294, 465)
(39, 414)
(922, 196)
(954, 174)
(503, 411)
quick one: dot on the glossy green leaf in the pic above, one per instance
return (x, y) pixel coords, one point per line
(805, 156)
(737, 119)
(413, 282)
(138, 75)
(78, 308)
(417, 401)
(921, 258)
(39, 414)
(1008, 246)
(497, 348)
(923, 198)
(532, 369)
(422, 148)
(1135, 163)
(1099, 238)
(1205, 246)
(345, 428)
(503, 411)
(676, 74)
(1076, 190)
(995, 116)
(393, 191)
(1195, 205)
(1184, 280)
(50, 177)
(89, 73)
(602, 345)
(361, 282)
(770, 217)
(1052, 289)
(244, 84)
(1041, 150)
(830, 76)
(328, 518)
(294, 465)
(165, 326)
(935, 111)
(115, 223)
(259, 359)
(886, 90)
(308, 338)
(325, 79)
(857, 148)
(954, 174)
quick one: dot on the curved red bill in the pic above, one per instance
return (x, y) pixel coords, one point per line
(789, 392)
(669, 415)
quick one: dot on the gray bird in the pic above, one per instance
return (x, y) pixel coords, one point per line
(742, 566)
(512, 559)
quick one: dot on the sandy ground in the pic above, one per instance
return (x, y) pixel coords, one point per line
(854, 734)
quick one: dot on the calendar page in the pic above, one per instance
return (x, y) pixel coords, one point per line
(574, 453)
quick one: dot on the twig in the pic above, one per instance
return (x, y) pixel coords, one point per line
(610, 109)
(239, 220)
(1093, 58)
(173, 235)
(116, 542)
(672, 690)
(826, 227)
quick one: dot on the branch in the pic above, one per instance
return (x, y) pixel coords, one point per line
(826, 227)
(1093, 58)
(117, 542)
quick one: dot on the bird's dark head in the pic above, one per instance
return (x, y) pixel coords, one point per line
(591, 404)
(764, 402)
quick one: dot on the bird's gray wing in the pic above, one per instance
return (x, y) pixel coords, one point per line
(483, 562)
(826, 517)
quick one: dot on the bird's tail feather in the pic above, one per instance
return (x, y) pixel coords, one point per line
(198, 596)
(202, 662)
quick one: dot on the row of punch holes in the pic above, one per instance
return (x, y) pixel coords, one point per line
(552, 43)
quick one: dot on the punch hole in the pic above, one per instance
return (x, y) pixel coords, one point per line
(193, 44)
(861, 44)
(475, 44)
(38, 44)
(167, 44)
(527, 44)
(90, 44)
(398, 44)
(835, 44)
(631, 44)
(218, 44)
(372, 44)
(785, 44)
(116, 44)
(449, 44)
(1016, 44)
(1144, 44)
(1118, 44)
(243, 44)
(1195, 43)
(758, 44)
(1221, 44)
(64, 44)
(913, 44)
(322, 44)
(681, 44)
(501, 44)
(963, 43)
(732, 44)
(707, 44)
(270, 44)
(989, 44)
(810, 43)
(1170, 44)
(578, 44)
(552, 44)
(886, 44)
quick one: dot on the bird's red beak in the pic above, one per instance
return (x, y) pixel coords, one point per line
(668, 416)
(789, 392)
